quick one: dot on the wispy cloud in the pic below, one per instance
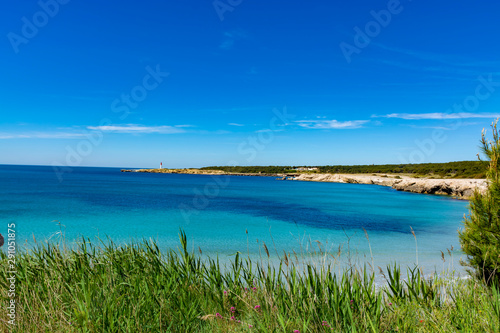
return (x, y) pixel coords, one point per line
(236, 124)
(133, 128)
(227, 44)
(230, 37)
(252, 71)
(437, 115)
(452, 64)
(79, 132)
(331, 124)
(267, 130)
(41, 135)
(447, 128)
(447, 59)
(444, 128)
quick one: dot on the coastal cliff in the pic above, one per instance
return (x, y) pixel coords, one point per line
(459, 188)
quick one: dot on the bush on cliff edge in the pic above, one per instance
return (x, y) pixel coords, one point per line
(480, 240)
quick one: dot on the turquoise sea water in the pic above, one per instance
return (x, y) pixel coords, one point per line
(217, 212)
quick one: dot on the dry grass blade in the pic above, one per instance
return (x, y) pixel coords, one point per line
(265, 248)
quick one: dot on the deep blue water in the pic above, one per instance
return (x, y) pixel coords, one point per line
(217, 212)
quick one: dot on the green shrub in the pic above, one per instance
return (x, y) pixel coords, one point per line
(481, 238)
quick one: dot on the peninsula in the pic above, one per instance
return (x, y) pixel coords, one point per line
(459, 188)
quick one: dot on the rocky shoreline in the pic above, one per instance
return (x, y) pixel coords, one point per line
(202, 172)
(459, 188)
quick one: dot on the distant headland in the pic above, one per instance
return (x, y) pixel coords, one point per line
(457, 179)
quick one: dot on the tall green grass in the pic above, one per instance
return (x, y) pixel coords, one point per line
(137, 288)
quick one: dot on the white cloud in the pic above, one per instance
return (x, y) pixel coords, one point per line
(41, 135)
(331, 124)
(132, 128)
(444, 128)
(80, 133)
(235, 124)
(437, 115)
(266, 130)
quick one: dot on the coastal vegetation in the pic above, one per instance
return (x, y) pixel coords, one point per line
(480, 239)
(463, 169)
(252, 169)
(138, 288)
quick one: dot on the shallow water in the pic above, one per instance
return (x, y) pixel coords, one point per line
(216, 212)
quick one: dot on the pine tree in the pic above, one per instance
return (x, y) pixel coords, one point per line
(480, 240)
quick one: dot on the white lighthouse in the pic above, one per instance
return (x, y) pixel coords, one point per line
(161, 165)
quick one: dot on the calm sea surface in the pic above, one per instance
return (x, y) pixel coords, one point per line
(217, 212)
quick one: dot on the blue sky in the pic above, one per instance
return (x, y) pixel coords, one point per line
(239, 82)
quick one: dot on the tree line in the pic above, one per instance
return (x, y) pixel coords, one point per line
(462, 169)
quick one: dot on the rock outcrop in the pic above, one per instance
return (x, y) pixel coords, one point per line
(460, 188)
